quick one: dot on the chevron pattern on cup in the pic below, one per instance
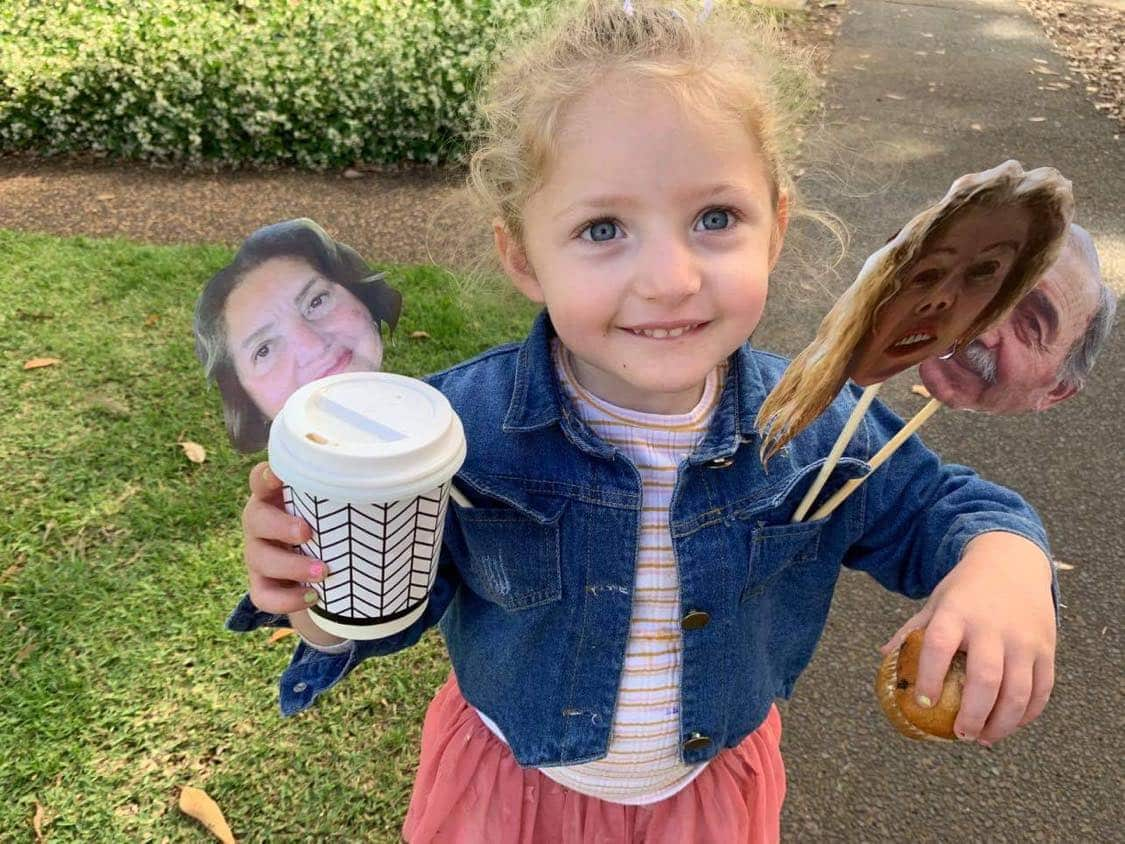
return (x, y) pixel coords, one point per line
(382, 558)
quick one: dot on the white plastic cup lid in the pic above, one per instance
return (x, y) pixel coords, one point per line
(366, 436)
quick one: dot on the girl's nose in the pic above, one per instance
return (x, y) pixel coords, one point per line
(668, 272)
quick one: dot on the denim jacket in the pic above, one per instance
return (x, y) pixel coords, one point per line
(535, 582)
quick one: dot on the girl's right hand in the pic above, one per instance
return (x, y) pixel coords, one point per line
(277, 574)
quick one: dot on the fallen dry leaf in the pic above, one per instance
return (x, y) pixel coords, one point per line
(419, 335)
(105, 196)
(1061, 566)
(25, 652)
(280, 633)
(352, 173)
(39, 363)
(37, 821)
(151, 320)
(10, 570)
(919, 390)
(197, 804)
(194, 451)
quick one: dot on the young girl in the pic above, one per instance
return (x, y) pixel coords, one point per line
(626, 597)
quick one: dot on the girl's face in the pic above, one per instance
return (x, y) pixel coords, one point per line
(650, 243)
(288, 325)
(943, 292)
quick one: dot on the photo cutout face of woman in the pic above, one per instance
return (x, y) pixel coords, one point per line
(1041, 353)
(288, 325)
(956, 276)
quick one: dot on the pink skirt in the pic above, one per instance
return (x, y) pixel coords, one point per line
(470, 789)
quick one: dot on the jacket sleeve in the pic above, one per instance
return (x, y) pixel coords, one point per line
(918, 514)
(311, 672)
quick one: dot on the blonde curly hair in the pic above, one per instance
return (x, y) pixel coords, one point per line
(819, 372)
(729, 65)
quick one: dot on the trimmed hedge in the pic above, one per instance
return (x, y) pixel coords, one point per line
(312, 83)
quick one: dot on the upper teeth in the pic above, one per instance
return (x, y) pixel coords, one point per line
(913, 338)
(661, 333)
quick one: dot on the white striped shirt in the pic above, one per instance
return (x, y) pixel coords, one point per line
(642, 763)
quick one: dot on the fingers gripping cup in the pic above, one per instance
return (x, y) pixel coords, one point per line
(367, 459)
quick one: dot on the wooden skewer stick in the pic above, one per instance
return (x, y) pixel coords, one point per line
(879, 459)
(837, 449)
(459, 496)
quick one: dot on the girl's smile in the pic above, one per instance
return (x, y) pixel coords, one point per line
(667, 330)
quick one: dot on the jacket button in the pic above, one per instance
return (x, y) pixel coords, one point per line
(697, 741)
(720, 463)
(695, 620)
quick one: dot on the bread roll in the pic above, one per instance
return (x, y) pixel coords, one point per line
(896, 688)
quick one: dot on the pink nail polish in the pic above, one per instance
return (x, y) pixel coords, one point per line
(316, 571)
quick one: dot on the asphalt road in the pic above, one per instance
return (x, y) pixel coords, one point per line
(947, 66)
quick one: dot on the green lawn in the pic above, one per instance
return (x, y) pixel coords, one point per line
(121, 559)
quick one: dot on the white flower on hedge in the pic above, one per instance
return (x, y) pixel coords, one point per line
(380, 74)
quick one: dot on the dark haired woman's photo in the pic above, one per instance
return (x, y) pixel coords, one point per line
(293, 306)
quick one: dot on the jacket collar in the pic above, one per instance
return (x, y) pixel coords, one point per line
(537, 400)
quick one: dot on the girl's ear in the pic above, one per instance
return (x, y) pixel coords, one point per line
(781, 225)
(515, 263)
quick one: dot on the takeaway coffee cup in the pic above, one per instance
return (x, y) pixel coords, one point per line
(367, 459)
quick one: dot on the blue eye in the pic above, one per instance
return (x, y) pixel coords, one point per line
(601, 230)
(716, 219)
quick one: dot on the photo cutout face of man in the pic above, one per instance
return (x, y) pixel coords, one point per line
(1021, 363)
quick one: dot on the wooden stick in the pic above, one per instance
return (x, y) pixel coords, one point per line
(459, 496)
(837, 449)
(881, 457)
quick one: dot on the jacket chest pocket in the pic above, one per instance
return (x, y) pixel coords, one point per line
(511, 558)
(774, 549)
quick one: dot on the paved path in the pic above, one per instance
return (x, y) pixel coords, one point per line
(949, 65)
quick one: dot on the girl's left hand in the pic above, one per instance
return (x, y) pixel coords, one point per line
(996, 606)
